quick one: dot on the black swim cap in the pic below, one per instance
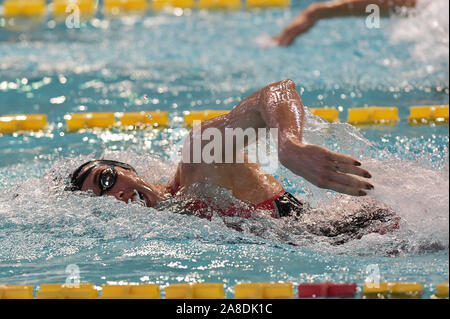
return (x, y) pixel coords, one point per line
(77, 179)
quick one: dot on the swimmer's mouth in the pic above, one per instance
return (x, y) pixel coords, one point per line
(141, 198)
(144, 199)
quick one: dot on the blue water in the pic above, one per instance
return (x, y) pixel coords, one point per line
(213, 60)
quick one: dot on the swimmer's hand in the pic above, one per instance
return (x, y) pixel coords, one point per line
(279, 106)
(336, 8)
(325, 169)
(298, 26)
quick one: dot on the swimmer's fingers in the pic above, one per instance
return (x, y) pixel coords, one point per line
(351, 169)
(346, 189)
(343, 159)
(347, 184)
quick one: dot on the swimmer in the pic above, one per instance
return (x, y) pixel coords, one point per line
(279, 106)
(338, 8)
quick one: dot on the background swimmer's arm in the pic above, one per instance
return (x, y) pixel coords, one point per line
(279, 106)
(339, 8)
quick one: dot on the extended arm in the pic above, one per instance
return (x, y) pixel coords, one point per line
(279, 106)
(338, 8)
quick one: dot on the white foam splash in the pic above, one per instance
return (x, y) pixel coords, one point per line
(45, 220)
(427, 27)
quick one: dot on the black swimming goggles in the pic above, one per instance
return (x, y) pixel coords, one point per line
(107, 178)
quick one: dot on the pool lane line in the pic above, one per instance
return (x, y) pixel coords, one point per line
(256, 290)
(362, 117)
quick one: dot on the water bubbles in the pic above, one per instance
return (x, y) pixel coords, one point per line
(44, 227)
(58, 100)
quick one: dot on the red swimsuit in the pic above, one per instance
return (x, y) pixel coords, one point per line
(205, 209)
(281, 205)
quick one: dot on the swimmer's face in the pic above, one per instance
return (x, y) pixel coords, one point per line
(125, 185)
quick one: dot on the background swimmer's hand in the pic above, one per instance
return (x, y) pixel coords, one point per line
(325, 169)
(337, 8)
(298, 26)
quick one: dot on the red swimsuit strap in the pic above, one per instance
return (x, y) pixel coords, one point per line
(198, 205)
(268, 204)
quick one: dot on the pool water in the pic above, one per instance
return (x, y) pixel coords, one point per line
(212, 60)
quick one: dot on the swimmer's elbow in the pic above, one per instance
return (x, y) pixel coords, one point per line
(277, 92)
(283, 85)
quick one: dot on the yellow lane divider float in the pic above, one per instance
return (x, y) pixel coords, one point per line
(158, 5)
(329, 114)
(158, 119)
(155, 119)
(16, 292)
(263, 290)
(25, 122)
(396, 290)
(191, 116)
(258, 290)
(117, 7)
(130, 291)
(373, 115)
(79, 121)
(219, 4)
(85, 8)
(267, 3)
(104, 120)
(195, 291)
(24, 8)
(441, 291)
(437, 114)
(63, 291)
